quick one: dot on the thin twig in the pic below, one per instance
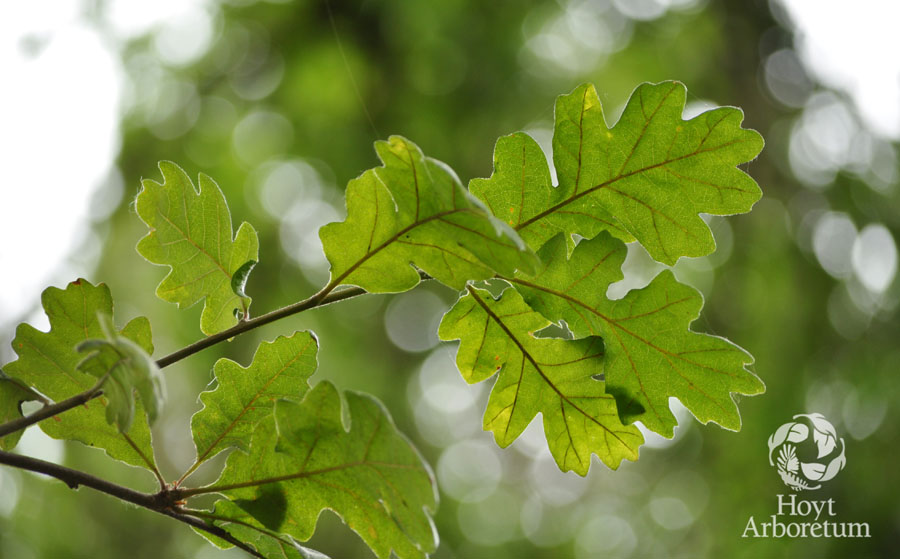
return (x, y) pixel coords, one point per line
(162, 502)
(322, 298)
(51, 410)
(325, 296)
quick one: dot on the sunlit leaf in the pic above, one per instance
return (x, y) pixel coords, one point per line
(413, 210)
(521, 192)
(48, 362)
(651, 353)
(125, 369)
(244, 396)
(191, 232)
(553, 377)
(304, 459)
(649, 176)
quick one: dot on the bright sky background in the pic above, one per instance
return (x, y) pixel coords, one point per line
(59, 109)
(854, 47)
(58, 106)
(63, 87)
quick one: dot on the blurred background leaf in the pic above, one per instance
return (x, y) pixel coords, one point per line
(280, 103)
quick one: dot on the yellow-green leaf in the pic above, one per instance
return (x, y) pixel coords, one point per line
(647, 177)
(191, 233)
(553, 377)
(244, 396)
(651, 352)
(48, 361)
(414, 211)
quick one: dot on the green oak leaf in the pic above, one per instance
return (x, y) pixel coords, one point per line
(48, 361)
(243, 526)
(651, 352)
(521, 191)
(280, 370)
(304, 459)
(553, 377)
(191, 232)
(124, 369)
(413, 210)
(12, 395)
(647, 177)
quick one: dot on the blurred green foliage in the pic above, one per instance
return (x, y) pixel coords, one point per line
(282, 111)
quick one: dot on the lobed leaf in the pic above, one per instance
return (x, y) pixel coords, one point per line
(244, 396)
(553, 377)
(413, 210)
(48, 362)
(302, 459)
(651, 352)
(191, 233)
(648, 177)
(520, 190)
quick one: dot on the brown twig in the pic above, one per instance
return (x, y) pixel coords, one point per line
(162, 502)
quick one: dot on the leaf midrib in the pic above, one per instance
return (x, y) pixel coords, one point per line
(615, 323)
(194, 244)
(248, 406)
(297, 475)
(355, 266)
(575, 197)
(537, 367)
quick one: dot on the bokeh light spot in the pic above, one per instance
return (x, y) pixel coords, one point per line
(469, 471)
(874, 257)
(412, 320)
(833, 239)
(606, 535)
(262, 135)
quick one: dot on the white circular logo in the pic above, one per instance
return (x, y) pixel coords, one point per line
(806, 452)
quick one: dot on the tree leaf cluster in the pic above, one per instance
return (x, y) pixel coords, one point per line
(554, 249)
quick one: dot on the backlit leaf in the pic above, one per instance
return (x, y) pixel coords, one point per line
(651, 353)
(48, 362)
(649, 176)
(244, 396)
(304, 459)
(190, 231)
(521, 192)
(553, 377)
(413, 210)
